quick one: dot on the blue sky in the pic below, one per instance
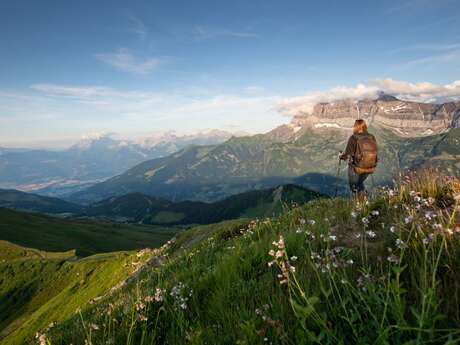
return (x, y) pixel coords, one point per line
(72, 67)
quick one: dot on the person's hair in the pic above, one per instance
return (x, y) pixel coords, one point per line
(359, 127)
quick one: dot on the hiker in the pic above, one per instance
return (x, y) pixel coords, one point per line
(361, 153)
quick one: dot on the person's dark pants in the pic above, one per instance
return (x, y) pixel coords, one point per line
(356, 182)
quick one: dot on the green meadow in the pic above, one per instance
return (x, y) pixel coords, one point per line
(87, 237)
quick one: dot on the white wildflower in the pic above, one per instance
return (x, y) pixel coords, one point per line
(371, 234)
(400, 243)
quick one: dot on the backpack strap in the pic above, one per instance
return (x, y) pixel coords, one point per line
(357, 152)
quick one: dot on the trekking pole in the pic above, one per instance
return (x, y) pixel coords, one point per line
(373, 185)
(337, 176)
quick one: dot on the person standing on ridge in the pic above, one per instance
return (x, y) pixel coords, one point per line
(361, 153)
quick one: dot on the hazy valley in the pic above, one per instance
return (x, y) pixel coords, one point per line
(91, 160)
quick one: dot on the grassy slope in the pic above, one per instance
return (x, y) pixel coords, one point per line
(87, 237)
(37, 288)
(219, 289)
(10, 251)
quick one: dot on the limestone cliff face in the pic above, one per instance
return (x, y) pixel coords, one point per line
(405, 118)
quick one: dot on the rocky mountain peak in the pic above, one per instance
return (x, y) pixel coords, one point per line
(405, 118)
(94, 140)
(384, 97)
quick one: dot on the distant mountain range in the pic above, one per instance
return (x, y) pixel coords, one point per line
(91, 160)
(302, 152)
(141, 208)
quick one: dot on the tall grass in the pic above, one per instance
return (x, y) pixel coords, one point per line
(383, 271)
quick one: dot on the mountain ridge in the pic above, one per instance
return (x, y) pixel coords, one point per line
(281, 156)
(404, 118)
(14, 199)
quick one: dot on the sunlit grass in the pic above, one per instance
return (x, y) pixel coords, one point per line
(384, 271)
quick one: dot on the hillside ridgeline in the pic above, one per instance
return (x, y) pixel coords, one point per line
(307, 157)
(140, 208)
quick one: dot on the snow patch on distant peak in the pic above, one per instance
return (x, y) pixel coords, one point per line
(327, 125)
(399, 107)
(429, 131)
(89, 138)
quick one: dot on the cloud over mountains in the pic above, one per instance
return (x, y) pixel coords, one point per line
(420, 92)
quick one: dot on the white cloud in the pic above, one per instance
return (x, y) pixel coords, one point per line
(304, 104)
(124, 60)
(68, 111)
(428, 54)
(144, 99)
(421, 92)
(206, 32)
(137, 26)
(449, 56)
(76, 92)
(436, 47)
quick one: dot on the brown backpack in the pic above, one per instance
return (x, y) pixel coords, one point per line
(365, 158)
